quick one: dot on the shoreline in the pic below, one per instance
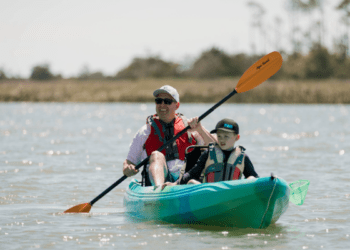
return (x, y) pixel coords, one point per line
(190, 91)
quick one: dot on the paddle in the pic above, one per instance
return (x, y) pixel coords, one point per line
(259, 72)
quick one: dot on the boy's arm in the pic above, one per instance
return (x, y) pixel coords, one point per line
(249, 171)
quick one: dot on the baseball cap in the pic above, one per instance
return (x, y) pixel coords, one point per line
(168, 90)
(227, 125)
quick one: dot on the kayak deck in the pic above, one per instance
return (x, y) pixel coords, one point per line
(253, 203)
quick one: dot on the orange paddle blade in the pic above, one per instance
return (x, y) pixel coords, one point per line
(81, 208)
(259, 72)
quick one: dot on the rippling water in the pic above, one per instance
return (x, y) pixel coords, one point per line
(57, 155)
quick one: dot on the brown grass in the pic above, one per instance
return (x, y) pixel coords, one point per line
(190, 90)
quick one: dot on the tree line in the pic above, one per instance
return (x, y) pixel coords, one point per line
(215, 63)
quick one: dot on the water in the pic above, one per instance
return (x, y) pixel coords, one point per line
(57, 155)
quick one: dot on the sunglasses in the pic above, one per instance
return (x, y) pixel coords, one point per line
(167, 101)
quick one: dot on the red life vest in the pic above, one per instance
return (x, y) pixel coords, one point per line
(156, 138)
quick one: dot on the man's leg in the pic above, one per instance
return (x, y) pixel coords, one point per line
(157, 168)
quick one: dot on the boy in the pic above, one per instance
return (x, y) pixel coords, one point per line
(222, 161)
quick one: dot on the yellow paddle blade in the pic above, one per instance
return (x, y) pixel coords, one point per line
(81, 208)
(259, 72)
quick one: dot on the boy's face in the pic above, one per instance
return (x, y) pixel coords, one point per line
(227, 139)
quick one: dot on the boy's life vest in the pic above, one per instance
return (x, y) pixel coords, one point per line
(215, 170)
(162, 132)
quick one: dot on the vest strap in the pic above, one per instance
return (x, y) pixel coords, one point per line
(184, 120)
(212, 153)
(156, 129)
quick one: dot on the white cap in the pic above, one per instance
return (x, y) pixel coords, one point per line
(168, 90)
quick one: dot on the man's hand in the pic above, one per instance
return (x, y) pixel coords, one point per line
(197, 127)
(129, 168)
(168, 184)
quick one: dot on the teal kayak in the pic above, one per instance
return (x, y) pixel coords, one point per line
(253, 203)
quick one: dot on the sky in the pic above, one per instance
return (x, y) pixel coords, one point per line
(106, 35)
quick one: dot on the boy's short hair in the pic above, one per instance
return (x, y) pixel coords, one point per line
(227, 125)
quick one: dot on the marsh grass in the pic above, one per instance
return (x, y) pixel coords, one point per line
(190, 90)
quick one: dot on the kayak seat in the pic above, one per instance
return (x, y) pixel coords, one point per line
(192, 156)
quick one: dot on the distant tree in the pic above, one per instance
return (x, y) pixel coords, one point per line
(2, 75)
(278, 30)
(98, 75)
(344, 7)
(293, 67)
(240, 63)
(319, 63)
(86, 74)
(257, 24)
(152, 67)
(292, 7)
(212, 64)
(306, 29)
(41, 73)
(341, 48)
(58, 77)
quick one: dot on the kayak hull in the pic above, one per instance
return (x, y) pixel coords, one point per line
(253, 203)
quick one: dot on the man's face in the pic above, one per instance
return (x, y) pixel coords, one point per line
(166, 112)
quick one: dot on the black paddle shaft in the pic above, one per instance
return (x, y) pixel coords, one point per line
(164, 146)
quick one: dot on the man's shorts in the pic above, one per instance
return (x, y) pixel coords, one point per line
(170, 176)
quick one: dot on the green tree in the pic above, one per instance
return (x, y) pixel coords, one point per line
(86, 74)
(294, 67)
(152, 67)
(41, 73)
(319, 63)
(2, 75)
(344, 7)
(257, 26)
(213, 63)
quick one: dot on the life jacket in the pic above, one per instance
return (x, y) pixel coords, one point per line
(191, 157)
(215, 169)
(156, 139)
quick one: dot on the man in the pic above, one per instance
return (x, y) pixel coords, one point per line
(161, 127)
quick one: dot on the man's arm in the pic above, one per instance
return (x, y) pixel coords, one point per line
(203, 132)
(135, 151)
